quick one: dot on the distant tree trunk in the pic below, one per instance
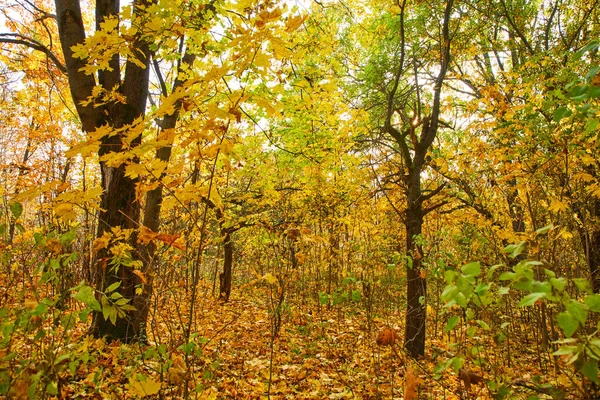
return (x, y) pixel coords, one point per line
(226, 276)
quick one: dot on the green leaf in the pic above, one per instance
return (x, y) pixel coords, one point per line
(593, 92)
(591, 124)
(500, 338)
(324, 298)
(566, 351)
(578, 311)
(549, 273)
(52, 388)
(567, 323)
(542, 287)
(113, 287)
(491, 271)
(441, 367)
(482, 289)
(16, 209)
(452, 323)
(583, 285)
(560, 113)
(544, 230)
(590, 370)
(449, 292)
(558, 283)
(449, 275)
(85, 294)
(473, 269)
(40, 309)
(593, 45)
(578, 92)
(530, 299)
(483, 325)
(507, 276)
(593, 302)
(515, 250)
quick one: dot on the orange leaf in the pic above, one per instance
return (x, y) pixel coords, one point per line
(140, 275)
(410, 385)
(386, 337)
(146, 235)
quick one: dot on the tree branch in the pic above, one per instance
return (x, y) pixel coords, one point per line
(15, 38)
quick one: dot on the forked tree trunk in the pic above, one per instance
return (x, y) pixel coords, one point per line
(118, 201)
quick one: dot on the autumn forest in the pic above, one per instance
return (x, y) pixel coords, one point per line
(337, 199)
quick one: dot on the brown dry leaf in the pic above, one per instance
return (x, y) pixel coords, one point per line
(469, 378)
(146, 235)
(387, 337)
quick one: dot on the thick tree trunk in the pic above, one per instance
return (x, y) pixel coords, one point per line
(120, 208)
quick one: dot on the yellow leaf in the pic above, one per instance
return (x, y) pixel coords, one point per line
(294, 22)
(566, 234)
(101, 242)
(269, 278)
(145, 388)
(557, 206)
(269, 109)
(31, 303)
(583, 176)
(215, 112)
(146, 235)
(594, 190)
(65, 211)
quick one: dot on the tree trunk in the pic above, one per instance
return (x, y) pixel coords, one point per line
(591, 243)
(414, 338)
(225, 276)
(120, 208)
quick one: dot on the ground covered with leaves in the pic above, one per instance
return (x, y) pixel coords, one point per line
(247, 348)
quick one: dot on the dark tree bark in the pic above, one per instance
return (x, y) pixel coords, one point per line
(225, 277)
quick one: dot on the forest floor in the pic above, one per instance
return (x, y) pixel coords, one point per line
(323, 353)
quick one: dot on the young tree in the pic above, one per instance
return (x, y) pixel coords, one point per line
(408, 116)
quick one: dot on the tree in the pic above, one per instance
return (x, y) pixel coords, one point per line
(405, 117)
(109, 86)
